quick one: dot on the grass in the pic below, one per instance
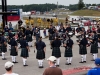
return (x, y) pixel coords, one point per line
(86, 13)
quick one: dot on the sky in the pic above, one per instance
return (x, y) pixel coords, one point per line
(60, 2)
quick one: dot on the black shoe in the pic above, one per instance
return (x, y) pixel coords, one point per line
(25, 65)
(81, 62)
(93, 60)
(84, 61)
(41, 67)
(69, 63)
(4, 59)
(15, 62)
(57, 65)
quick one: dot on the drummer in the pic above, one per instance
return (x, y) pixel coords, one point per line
(69, 29)
(78, 29)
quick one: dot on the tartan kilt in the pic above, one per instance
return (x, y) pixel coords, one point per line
(13, 51)
(4, 48)
(56, 52)
(19, 39)
(30, 38)
(27, 38)
(82, 50)
(24, 52)
(51, 37)
(94, 48)
(40, 54)
(68, 52)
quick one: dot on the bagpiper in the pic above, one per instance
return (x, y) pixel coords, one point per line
(28, 35)
(68, 44)
(41, 49)
(3, 46)
(24, 50)
(14, 50)
(56, 49)
(94, 45)
(51, 33)
(83, 48)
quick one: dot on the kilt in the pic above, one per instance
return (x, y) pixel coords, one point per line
(24, 52)
(40, 54)
(94, 48)
(82, 50)
(68, 52)
(30, 38)
(13, 51)
(19, 39)
(27, 38)
(4, 48)
(56, 52)
(51, 37)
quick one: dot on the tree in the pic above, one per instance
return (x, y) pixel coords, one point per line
(80, 4)
(94, 5)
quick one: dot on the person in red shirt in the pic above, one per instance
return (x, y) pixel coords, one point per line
(93, 28)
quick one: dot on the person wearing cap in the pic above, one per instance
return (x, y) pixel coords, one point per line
(14, 50)
(96, 70)
(9, 67)
(56, 49)
(52, 69)
(24, 50)
(68, 44)
(94, 45)
(41, 49)
(3, 46)
(83, 48)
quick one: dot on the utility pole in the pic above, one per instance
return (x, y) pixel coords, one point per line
(57, 8)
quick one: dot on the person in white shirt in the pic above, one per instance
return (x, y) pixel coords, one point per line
(9, 66)
(81, 24)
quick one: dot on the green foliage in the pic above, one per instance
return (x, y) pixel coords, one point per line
(35, 7)
(73, 7)
(80, 4)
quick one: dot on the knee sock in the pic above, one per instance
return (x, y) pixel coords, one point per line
(39, 61)
(58, 61)
(24, 61)
(3, 55)
(82, 57)
(14, 57)
(70, 60)
(94, 56)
